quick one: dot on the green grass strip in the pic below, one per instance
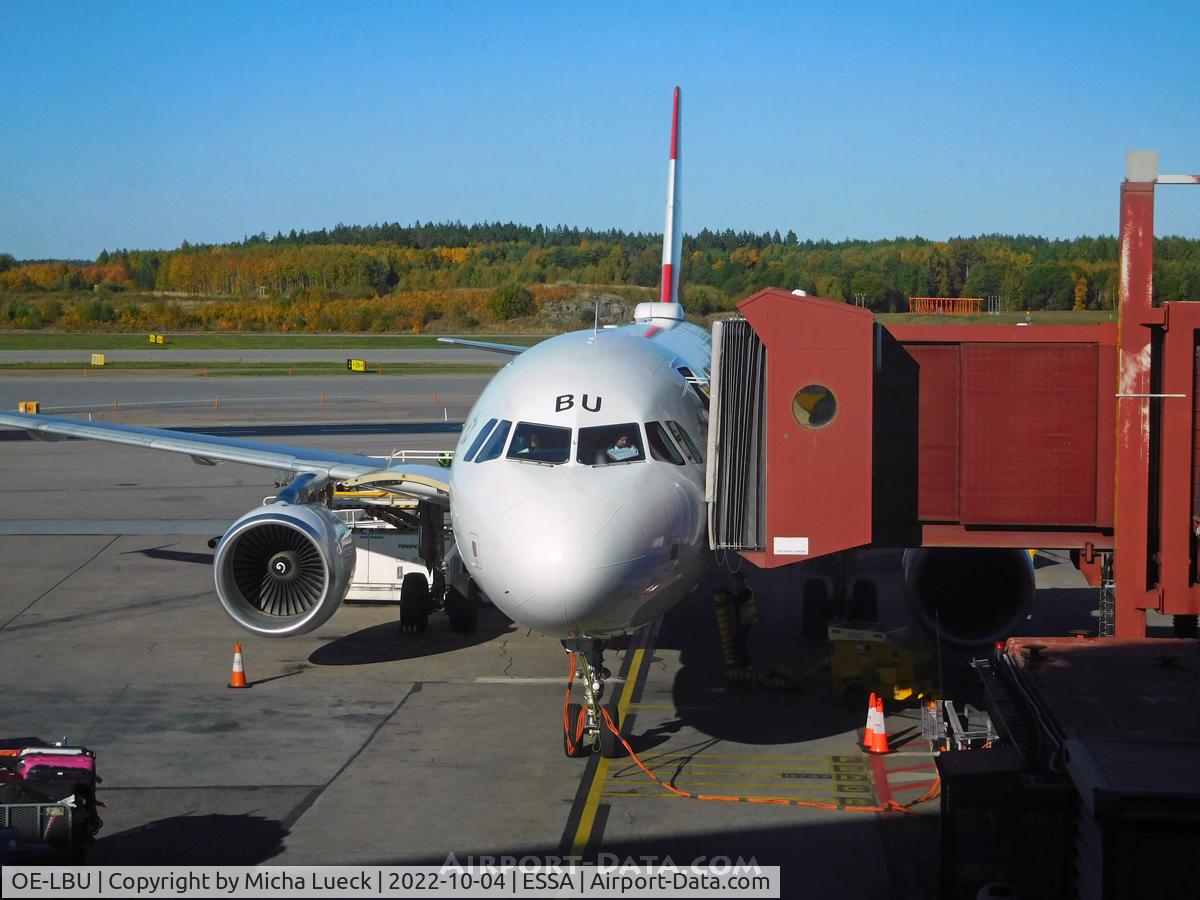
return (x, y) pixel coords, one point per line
(300, 369)
(101, 341)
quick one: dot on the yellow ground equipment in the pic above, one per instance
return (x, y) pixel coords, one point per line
(870, 657)
(31, 407)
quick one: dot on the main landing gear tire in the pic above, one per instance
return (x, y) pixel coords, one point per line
(817, 610)
(463, 612)
(414, 603)
(864, 602)
(610, 745)
(575, 742)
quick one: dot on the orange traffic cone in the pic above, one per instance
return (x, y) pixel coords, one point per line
(881, 738)
(869, 731)
(238, 678)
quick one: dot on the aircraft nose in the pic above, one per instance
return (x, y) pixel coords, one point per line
(571, 570)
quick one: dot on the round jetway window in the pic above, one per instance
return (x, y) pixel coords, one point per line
(814, 406)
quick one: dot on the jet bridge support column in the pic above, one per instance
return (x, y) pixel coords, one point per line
(1155, 493)
(1134, 387)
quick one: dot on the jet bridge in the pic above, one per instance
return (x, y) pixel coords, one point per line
(831, 431)
(907, 436)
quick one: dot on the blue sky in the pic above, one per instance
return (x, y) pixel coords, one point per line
(141, 125)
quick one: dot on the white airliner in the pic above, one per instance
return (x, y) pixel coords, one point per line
(576, 495)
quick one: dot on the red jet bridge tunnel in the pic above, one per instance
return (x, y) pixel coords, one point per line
(833, 432)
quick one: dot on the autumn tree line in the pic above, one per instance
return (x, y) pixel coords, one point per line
(392, 277)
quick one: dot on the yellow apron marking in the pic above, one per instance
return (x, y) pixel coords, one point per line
(663, 795)
(721, 768)
(591, 806)
(843, 776)
(780, 785)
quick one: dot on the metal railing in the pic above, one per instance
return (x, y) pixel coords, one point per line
(38, 823)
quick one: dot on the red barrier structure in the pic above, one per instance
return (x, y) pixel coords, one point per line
(946, 306)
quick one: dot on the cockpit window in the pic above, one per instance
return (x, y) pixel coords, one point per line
(479, 439)
(662, 447)
(685, 441)
(605, 445)
(540, 444)
(495, 445)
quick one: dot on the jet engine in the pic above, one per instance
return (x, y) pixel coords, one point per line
(283, 569)
(970, 596)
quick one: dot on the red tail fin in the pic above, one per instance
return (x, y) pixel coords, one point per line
(672, 233)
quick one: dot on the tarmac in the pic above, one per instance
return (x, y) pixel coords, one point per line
(356, 744)
(373, 355)
(197, 401)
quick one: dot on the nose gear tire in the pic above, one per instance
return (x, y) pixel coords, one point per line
(610, 745)
(575, 742)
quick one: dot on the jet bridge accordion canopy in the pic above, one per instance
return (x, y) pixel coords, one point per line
(737, 437)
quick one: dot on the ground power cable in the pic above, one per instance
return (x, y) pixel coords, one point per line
(575, 734)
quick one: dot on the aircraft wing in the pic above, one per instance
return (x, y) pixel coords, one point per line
(507, 349)
(421, 482)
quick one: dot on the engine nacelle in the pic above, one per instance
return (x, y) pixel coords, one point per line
(283, 569)
(971, 596)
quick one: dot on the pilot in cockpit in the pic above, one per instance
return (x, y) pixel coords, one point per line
(531, 449)
(622, 449)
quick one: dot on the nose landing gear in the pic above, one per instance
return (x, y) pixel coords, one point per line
(586, 726)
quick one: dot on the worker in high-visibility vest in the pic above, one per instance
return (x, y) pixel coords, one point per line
(745, 616)
(726, 629)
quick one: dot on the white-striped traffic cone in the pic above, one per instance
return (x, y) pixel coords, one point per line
(238, 678)
(869, 731)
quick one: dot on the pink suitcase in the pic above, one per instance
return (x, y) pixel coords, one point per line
(85, 761)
